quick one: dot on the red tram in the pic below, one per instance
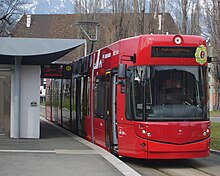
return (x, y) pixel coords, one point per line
(142, 97)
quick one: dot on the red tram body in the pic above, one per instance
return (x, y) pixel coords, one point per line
(142, 97)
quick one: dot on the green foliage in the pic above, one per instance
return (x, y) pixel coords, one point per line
(57, 104)
(47, 103)
(66, 103)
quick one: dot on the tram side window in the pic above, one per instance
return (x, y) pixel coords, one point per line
(100, 97)
(88, 96)
(135, 93)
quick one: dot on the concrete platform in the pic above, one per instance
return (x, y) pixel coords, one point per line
(57, 153)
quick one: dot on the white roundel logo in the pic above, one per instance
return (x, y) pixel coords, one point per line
(178, 40)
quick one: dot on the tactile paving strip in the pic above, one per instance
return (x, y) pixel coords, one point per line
(75, 152)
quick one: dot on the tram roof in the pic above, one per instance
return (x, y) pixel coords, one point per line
(36, 51)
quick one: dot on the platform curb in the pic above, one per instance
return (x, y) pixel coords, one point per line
(117, 163)
(217, 152)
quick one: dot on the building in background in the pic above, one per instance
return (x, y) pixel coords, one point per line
(112, 28)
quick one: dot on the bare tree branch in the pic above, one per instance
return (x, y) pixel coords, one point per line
(10, 12)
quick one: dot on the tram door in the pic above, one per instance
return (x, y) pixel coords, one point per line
(108, 110)
(100, 111)
(5, 100)
(114, 113)
(110, 119)
(74, 124)
(105, 111)
(79, 103)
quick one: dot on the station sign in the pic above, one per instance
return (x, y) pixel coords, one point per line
(56, 71)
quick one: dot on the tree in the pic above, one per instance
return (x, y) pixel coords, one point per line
(139, 12)
(10, 12)
(185, 9)
(195, 18)
(213, 23)
(120, 23)
(157, 11)
(212, 9)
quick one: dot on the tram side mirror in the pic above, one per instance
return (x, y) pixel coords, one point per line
(212, 59)
(122, 76)
(122, 71)
(133, 58)
(218, 71)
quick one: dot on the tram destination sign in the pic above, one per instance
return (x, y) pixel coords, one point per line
(182, 52)
(56, 71)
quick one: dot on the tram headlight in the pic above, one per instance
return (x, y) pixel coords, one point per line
(144, 131)
(204, 133)
(149, 134)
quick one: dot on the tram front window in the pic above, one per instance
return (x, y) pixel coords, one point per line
(166, 93)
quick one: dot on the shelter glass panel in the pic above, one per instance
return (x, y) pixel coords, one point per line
(5, 100)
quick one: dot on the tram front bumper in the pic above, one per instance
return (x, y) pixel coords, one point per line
(158, 150)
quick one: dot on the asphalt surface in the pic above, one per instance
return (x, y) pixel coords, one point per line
(209, 166)
(215, 119)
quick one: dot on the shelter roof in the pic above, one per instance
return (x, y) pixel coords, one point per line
(35, 51)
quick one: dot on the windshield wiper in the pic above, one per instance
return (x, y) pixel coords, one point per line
(188, 110)
(187, 103)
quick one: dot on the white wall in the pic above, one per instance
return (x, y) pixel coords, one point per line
(1, 108)
(30, 92)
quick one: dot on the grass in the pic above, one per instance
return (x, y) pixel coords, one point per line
(215, 129)
(215, 142)
(57, 103)
(215, 113)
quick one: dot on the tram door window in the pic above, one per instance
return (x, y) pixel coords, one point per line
(52, 100)
(107, 115)
(81, 104)
(66, 103)
(48, 107)
(110, 115)
(78, 104)
(87, 96)
(56, 99)
(5, 100)
(74, 122)
(100, 111)
(100, 97)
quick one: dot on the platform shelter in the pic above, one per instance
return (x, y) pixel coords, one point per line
(20, 61)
